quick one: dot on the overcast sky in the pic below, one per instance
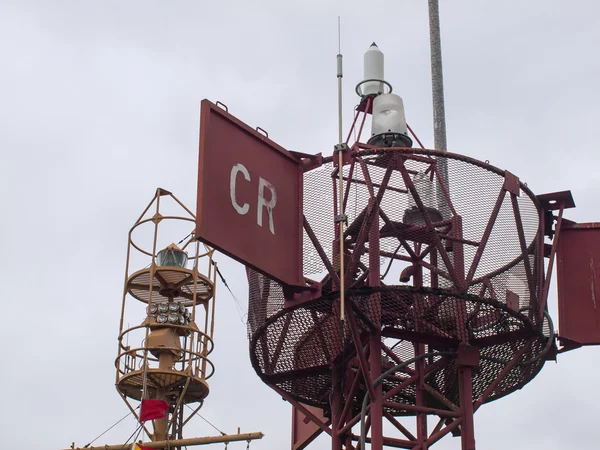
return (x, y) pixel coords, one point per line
(99, 105)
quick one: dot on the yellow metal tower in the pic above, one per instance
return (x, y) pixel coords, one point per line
(171, 361)
(165, 356)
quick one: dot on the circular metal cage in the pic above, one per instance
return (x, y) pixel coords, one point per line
(172, 308)
(441, 250)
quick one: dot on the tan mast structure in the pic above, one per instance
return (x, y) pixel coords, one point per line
(166, 356)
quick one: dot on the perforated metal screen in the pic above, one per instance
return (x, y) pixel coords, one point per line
(475, 241)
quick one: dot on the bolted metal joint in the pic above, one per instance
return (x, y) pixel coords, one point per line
(341, 218)
(337, 148)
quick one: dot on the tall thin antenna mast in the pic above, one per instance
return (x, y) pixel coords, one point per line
(341, 218)
(437, 88)
(340, 75)
(437, 77)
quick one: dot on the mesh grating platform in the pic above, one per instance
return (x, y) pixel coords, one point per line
(472, 241)
(169, 283)
(168, 382)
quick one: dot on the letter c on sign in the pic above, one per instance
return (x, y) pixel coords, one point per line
(243, 209)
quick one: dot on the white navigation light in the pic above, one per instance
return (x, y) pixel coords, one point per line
(162, 318)
(373, 71)
(388, 128)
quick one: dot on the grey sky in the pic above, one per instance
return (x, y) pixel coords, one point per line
(100, 105)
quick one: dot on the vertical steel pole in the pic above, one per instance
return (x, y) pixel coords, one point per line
(340, 75)
(377, 402)
(437, 90)
(437, 77)
(336, 407)
(421, 418)
(465, 378)
(339, 372)
(420, 397)
(375, 338)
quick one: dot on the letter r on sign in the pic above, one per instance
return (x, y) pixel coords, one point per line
(262, 184)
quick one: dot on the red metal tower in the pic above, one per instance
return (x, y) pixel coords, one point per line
(447, 264)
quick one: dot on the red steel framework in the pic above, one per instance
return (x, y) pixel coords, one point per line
(446, 286)
(465, 326)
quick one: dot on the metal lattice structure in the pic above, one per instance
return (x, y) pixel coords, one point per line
(469, 253)
(478, 298)
(406, 285)
(163, 363)
(171, 361)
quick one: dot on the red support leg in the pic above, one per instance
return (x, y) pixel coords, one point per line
(421, 417)
(466, 408)
(375, 337)
(377, 403)
(336, 408)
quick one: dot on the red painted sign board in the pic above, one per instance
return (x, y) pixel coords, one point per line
(249, 196)
(578, 275)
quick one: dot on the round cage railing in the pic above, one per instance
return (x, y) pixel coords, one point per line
(466, 247)
(169, 359)
(174, 283)
(191, 361)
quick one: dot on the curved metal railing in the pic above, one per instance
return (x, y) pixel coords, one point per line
(194, 352)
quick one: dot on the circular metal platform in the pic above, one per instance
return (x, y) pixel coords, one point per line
(167, 383)
(311, 341)
(190, 361)
(169, 283)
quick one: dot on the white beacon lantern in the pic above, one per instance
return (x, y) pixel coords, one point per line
(388, 128)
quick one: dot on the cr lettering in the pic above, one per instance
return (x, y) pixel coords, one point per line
(262, 203)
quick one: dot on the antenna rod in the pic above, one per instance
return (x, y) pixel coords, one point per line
(340, 75)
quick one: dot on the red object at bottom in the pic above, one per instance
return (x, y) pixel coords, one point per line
(153, 409)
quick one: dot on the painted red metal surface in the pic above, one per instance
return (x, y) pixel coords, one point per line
(578, 274)
(308, 354)
(304, 431)
(249, 196)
